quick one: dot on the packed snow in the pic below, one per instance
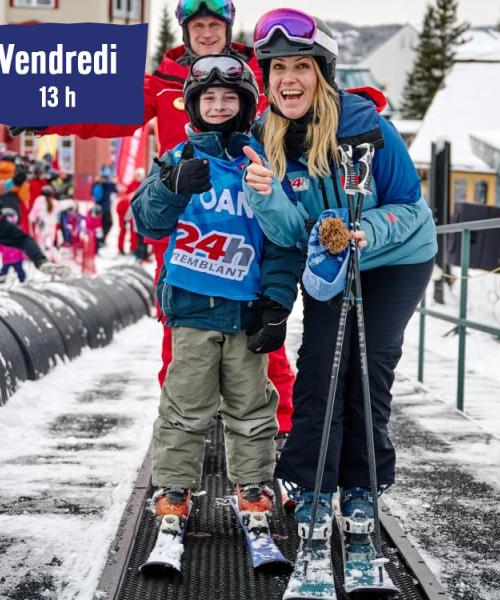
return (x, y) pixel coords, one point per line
(73, 441)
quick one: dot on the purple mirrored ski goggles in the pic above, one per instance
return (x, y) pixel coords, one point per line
(295, 25)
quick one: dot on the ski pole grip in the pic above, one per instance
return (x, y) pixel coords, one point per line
(347, 164)
(365, 153)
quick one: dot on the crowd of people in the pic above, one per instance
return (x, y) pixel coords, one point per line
(38, 198)
(229, 207)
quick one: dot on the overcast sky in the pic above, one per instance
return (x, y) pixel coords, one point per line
(358, 12)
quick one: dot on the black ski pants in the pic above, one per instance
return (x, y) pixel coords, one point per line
(11, 235)
(390, 296)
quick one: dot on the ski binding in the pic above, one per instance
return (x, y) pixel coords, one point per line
(258, 536)
(314, 581)
(169, 546)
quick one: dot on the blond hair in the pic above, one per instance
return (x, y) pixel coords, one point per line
(321, 138)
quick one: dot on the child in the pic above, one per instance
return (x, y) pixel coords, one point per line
(44, 217)
(223, 277)
(11, 257)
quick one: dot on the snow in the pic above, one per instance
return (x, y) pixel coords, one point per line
(467, 101)
(490, 137)
(481, 45)
(168, 549)
(72, 442)
(407, 126)
(448, 471)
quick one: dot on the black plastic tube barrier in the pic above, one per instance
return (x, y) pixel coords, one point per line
(13, 368)
(44, 323)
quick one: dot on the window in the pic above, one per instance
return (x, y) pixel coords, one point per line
(34, 3)
(28, 145)
(66, 153)
(460, 190)
(127, 9)
(481, 191)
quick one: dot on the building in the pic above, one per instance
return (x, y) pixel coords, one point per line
(355, 76)
(123, 12)
(82, 158)
(408, 128)
(486, 145)
(392, 60)
(463, 111)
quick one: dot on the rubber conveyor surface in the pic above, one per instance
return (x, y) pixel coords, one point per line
(216, 564)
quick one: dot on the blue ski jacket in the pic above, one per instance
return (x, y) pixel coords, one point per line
(396, 219)
(200, 288)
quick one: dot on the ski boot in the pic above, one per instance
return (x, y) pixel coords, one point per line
(364, 570)
(303, 499)
(255, 503)
(357, 511)
(172, 505)
(357, 523)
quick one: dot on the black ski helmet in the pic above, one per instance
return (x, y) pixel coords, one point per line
(47, 190)
(221, 70)
(221, 9)
(278, 42)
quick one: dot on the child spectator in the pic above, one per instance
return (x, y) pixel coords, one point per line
(44, 218)
(12, 258)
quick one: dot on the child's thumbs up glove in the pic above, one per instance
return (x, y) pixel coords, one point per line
(190, 176)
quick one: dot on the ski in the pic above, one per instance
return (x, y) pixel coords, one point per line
(258, 536)
(316, 582)
(364, 573)
(169, 547)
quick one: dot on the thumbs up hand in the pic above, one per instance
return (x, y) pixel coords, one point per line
(257, 175)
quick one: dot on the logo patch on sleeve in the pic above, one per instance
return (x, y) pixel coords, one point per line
(179, 103)
(300, 184)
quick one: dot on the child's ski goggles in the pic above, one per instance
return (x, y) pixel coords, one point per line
(295, 25)
(227, 68)
(189, 8)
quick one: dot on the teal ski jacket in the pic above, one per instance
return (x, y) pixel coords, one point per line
(396, 219)
(157, 211)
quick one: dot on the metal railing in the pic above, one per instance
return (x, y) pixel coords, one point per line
(461, 322)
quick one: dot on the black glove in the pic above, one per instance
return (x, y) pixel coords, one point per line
(14, 130)
(190, 176)
(272, 332)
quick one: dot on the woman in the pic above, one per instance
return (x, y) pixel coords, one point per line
(308, 118)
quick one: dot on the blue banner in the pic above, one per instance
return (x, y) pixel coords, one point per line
(56, 74)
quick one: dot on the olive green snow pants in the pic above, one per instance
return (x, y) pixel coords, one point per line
(214, 372)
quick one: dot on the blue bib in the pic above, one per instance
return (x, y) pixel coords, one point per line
(217, 247)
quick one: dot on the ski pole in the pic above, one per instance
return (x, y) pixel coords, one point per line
(365, 152)
(325, 437)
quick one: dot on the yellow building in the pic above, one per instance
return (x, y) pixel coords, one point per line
(467, 102)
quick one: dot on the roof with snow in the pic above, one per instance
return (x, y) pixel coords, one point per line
(486, 145)
(468, 101)
(483, 45)
(491, 137)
